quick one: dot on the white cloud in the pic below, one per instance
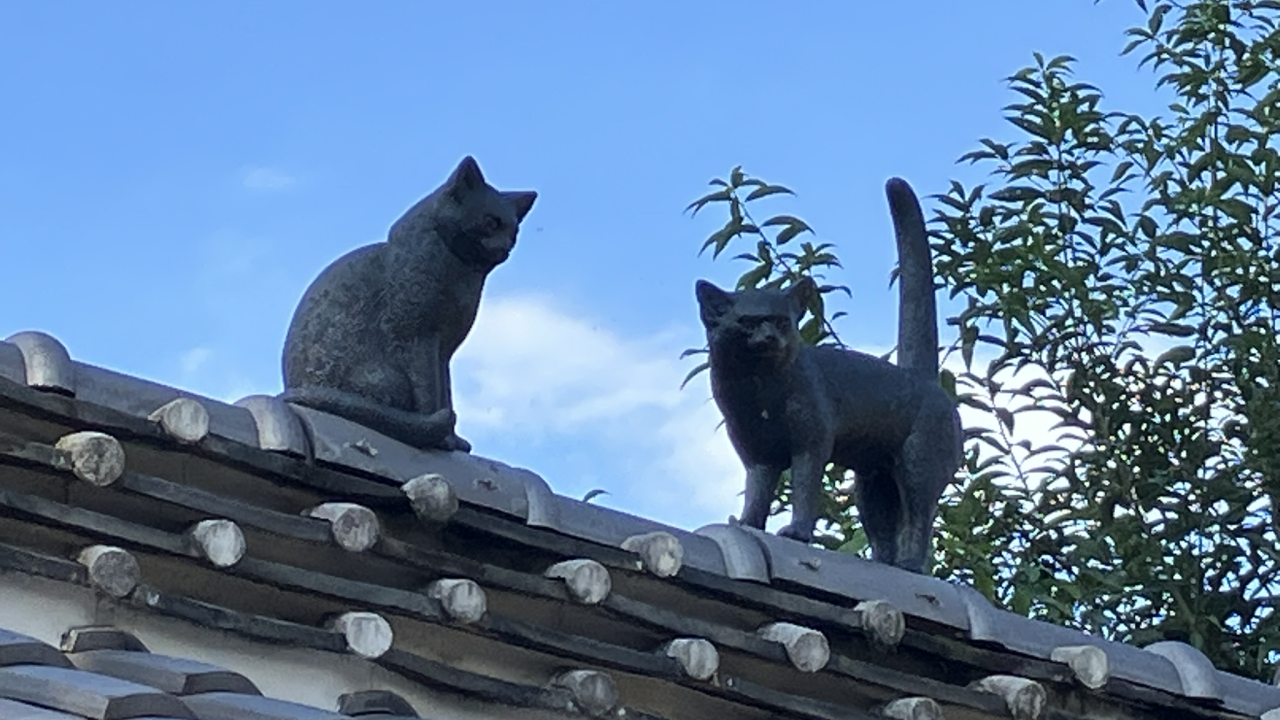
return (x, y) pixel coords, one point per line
(266, 179)
(603, 410)
(191, 361)
(206, 371)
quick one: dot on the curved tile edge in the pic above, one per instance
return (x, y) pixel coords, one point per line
(742, 554)
(279, 428)
(46, 363)
(981, 613)
(13, 366)
(1198, 675)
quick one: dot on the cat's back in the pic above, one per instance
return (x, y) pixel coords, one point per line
(349, 282)
(336, 312)
(857, 379)
(841, 362)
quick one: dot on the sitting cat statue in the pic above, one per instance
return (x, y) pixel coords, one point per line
(788, 405)
(372, 337)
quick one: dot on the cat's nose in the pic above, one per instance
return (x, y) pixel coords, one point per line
(499, 246)
(763, 336)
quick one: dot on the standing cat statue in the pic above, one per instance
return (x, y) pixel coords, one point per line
(788, 405)
(372, 337)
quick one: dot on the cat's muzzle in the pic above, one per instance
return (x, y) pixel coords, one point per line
(498, 249)
(766, 342)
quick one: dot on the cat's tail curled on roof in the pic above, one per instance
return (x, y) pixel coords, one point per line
(917, 308)
(428, 432)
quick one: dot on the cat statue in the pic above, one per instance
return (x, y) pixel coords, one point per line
(372, 336)
(792, 406)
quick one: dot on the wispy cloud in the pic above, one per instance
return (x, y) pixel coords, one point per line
(207, 371)
(192, 361)
(602, 409)
(266, 179)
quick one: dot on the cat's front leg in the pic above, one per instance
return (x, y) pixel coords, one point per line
(454, 441)
(422, 365)
(762, 482)
(807, 468)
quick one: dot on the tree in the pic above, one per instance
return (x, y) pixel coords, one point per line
(1120, 281)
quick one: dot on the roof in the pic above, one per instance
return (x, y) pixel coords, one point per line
(106, 673)
(461, 584)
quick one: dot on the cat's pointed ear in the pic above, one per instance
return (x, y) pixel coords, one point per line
(800, 295)
(466, 179)
(521, 202)
(712, 301)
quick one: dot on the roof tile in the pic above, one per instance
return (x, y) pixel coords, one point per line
(14, 710)
(19, 649)
(852, 577)
(87, 694)
(46, 363)
(172, 675)
(141, 398)
(12, 365)
(232, 706)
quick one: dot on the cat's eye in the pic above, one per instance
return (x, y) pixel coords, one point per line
(493, 223)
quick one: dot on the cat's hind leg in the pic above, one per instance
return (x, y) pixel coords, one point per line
(924, 470)
(428, 432)
(377, 396)
(879, 511)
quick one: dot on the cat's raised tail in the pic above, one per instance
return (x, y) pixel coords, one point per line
(917, 308)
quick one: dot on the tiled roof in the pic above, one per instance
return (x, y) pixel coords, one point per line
(118, 678)
(465, 577)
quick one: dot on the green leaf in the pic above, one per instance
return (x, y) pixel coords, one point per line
(694, 373)
(593, 494)
(752, 278)
(948, 381)
(1174, 329)
(794, 226)
(1176, 355)
(1147, 226)
(784, 220)
(1017, 194)
(717, 196)
(766, 191)
(968, 339)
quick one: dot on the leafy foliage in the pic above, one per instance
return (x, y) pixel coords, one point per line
(1119, 280)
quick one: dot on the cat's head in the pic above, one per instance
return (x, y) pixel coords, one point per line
(755, 324)
(478, 223)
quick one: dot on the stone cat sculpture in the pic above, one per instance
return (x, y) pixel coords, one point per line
(788, 405)
(372, 337)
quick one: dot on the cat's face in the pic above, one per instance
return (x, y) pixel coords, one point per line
(478, 223)
(754, 324)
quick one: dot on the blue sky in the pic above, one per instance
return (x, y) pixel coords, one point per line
(173, 175)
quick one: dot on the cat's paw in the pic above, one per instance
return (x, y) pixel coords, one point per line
(455, 443)
(443, 418)
(794, 532)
